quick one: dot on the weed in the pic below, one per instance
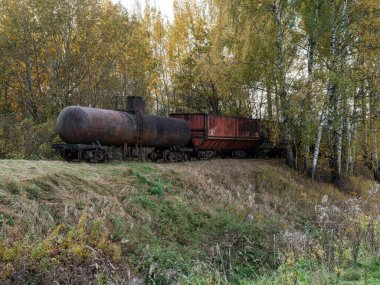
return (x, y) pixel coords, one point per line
(13, 187)
(54, 181)
(145, 201)
(96, 232)
(39, 251)
(11, 253)
(7, 271)
(157, 188)
(79, 251)
(144, 168)
(352, 274)
(34, 192)
(100, 279)
(79, 205)
(9, 220)
(119, 227)
(142, 179)
(43, 185)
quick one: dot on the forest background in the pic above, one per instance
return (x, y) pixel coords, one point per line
(308, 68)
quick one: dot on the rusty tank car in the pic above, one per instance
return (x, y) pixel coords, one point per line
(92, 134)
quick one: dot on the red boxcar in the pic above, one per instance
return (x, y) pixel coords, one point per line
(213, 132)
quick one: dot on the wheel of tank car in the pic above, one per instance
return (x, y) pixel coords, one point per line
(83, 156)
(67, 155)
(226, 155)
(101, 156)
(167, 156)
(117, 156)
(152, 156)
(180, 156)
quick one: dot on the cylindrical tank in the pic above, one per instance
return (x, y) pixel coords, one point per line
(83, 125)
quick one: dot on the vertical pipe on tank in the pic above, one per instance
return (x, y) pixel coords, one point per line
(136, 103)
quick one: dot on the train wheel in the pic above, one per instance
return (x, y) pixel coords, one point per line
(117, 156)
(153, 156)
(68, 155)
(85, 155)
(180, 156)
(239, 154)
(166, 155)
(207, 154)
(243, 154)
(101, 155)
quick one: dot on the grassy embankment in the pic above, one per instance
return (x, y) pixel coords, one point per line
(209, 222)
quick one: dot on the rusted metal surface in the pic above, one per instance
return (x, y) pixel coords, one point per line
(82, 125)
(165, 132)
(221, 132)
(136, 103)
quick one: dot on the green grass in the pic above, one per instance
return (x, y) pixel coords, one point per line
(309, 273)
(217, 222)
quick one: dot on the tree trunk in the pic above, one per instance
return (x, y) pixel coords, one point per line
(29, 82)
(339, 147)
(349, 147)
(269, 104)
(333, 117)
(317, 146)
(310, 68)
(373, 103)
(278, 11)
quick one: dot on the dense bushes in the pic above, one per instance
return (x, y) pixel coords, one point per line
(26, 139)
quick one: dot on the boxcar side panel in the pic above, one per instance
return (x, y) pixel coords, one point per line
(248, 128)
(222, 132)
(221, 126)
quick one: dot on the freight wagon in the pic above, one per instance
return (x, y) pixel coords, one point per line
(93, 134)
(221, 135)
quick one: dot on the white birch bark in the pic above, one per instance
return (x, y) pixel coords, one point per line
(317, 145)
(278, 11)
(310, 70)
(339, 147)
